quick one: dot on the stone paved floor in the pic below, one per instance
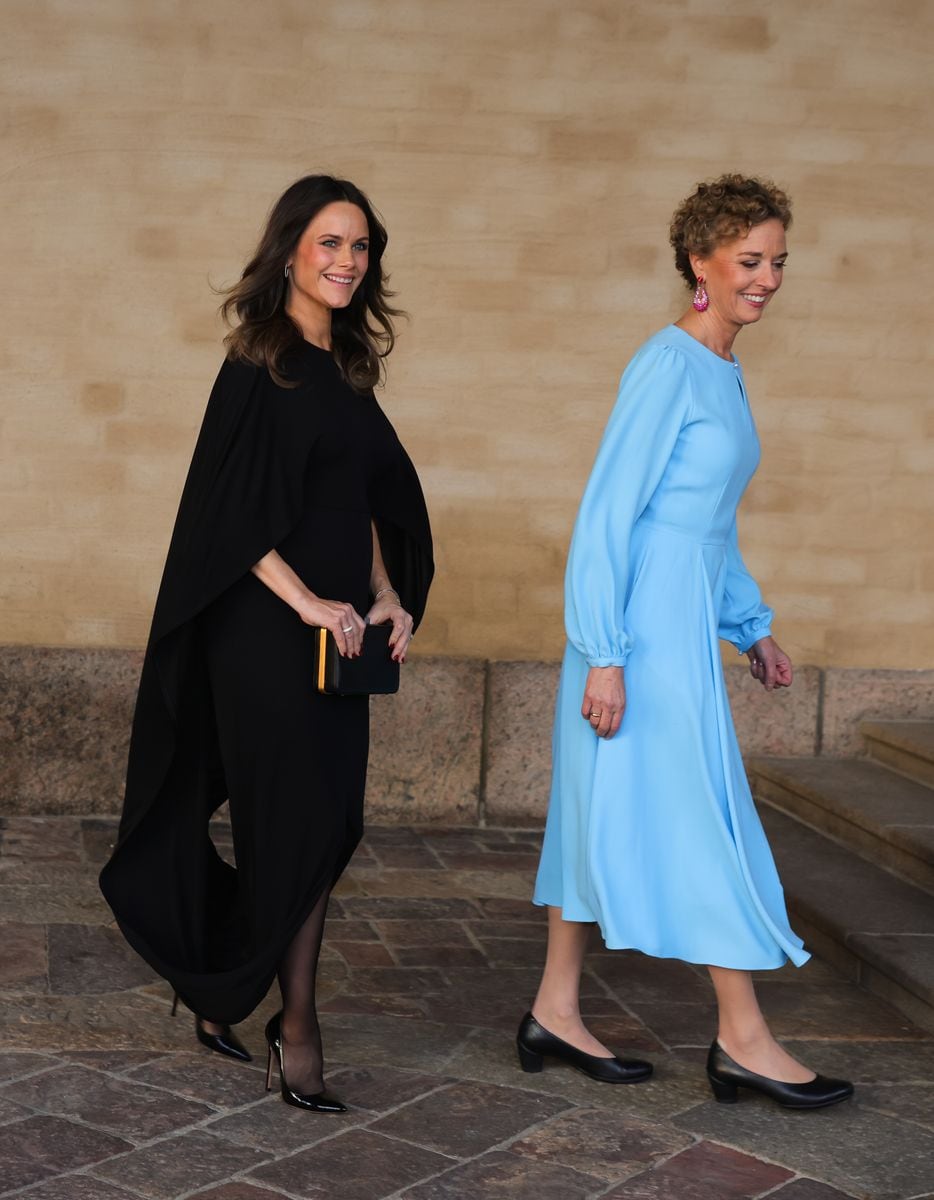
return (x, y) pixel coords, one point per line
(432, 954)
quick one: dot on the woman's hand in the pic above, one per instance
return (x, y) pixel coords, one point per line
(769, 663)
(604, 700)
(341, 618)
(387, 608)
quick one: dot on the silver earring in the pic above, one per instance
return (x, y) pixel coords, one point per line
(286, 270)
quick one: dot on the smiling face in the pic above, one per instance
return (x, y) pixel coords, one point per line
(330, 260)
(742, 276)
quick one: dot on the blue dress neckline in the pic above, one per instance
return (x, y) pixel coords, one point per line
(705, 351)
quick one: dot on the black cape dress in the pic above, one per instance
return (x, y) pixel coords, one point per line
(226, 708)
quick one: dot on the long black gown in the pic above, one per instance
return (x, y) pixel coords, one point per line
(226, 707)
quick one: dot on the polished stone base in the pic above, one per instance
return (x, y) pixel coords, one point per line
(464, 740)
(431, 955)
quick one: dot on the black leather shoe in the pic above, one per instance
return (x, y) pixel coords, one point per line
(535, 1043)
(319, 1102)
(221, 1043)
(726, 1076)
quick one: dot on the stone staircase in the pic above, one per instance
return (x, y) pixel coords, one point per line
(854, 841)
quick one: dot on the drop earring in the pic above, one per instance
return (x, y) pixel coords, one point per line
(286, 270)
(701, 299)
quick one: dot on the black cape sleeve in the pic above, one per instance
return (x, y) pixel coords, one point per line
(401, 519)
(244, 494)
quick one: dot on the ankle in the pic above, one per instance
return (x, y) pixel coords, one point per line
(556, 1014)
(302, 1037)
(746, 1041)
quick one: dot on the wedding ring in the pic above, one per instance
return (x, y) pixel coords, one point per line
(596, 716)
(349, 629)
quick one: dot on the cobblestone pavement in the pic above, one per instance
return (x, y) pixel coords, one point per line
(432, 954)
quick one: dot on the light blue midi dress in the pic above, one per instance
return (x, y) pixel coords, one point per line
(653, 833)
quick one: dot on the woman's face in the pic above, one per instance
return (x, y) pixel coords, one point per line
(332, 255)
(742, 276)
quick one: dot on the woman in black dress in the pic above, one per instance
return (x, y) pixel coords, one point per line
(301, 509)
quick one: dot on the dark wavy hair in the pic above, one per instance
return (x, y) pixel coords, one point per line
(362, 334)
(721, 210)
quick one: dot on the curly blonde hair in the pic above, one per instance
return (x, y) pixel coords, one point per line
(721, 210)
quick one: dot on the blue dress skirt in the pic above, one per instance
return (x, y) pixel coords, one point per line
(653, 833)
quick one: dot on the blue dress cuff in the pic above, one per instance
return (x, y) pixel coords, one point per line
(617, 661)
(752, 631)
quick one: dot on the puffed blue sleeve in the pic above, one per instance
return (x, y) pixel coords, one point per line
(652, 407)
(744, 618)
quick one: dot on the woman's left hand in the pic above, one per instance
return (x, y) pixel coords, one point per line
(388, 609)
(769, 663)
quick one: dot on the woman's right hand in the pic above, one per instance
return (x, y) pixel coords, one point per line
(604, 700)
(341, 618)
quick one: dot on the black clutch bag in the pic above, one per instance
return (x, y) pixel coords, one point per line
(372, 674)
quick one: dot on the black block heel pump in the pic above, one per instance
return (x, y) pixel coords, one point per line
(319, 1102)
(529, 1060)
(221, 1043)
(727, 1076)
(534, 1043)
(724, 1093)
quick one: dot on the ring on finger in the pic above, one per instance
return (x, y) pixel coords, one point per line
(349, 629)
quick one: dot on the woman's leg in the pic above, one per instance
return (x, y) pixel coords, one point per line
(301, 1036)
(743, 1032)
(557, 1005)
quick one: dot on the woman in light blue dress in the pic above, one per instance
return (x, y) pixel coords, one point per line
(652, 833)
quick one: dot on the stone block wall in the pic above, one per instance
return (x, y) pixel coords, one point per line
(464, 741)
(526, 157)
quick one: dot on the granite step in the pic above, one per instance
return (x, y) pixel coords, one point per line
(905, 746)
(876, 928)
(886, 818)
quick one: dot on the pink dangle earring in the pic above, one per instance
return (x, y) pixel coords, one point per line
(701, 299)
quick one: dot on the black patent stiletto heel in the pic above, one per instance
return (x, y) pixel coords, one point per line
(221, 1043)
(319, 1102)
(727, 1076)
(269, 1068)
(534, 1043)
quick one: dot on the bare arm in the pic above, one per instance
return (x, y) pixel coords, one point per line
(379, 576)
(339, 617)
(388, 607)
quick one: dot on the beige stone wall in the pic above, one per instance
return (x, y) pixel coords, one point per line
(526, 155)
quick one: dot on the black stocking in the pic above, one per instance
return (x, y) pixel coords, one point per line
(303, 1060)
